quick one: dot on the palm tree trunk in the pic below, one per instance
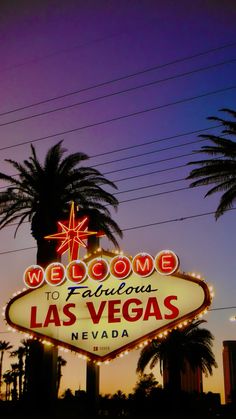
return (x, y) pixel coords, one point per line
(14, 390)
(1, 361)
(7, 391)
(46, 252)
(173, 381)
(41, 368)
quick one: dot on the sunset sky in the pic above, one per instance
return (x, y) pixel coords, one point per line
(143, 77)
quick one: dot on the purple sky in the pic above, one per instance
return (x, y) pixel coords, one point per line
(51, 48)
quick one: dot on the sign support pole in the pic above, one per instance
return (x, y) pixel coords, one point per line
(92, 369)
(92, 386)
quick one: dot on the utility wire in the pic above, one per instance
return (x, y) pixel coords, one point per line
(152, 195)
(183, 134)
(150, 173)
(108, 95)
(121, 117)
(127, 76)
(209, 309)
(150, 186)
(143, 144)
(140, 187)
(151, 152)
(18, 250)
(173, 220)
(136, 198)
(137, 166)
(189, 217)
(221, 308)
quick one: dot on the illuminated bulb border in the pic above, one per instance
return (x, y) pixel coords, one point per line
(127, 351)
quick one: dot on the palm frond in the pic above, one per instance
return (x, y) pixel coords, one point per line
(220, 171)
(42, 193)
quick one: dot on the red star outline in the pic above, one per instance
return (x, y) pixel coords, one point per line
(72, 236)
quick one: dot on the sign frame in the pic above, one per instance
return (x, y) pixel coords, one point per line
(122, 349)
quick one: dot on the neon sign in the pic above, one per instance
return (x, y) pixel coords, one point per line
(72, 236)
(103, 305)
(104, 319)
(166, 262)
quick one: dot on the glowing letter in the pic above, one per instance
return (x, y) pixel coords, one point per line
(166, 262)
(138, 311)
(152, 309)
(120, 267)
(174, 310)
(143, 264)
(98, 269)
(33, 322)
(33, 276)
(52, 316)
(96, 316)
(55, 273)
(112, 310)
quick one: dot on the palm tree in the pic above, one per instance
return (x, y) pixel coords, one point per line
(15, 374)
(20, 353)
(42, 195)
(220, 169)
(61, 362)
(26, 343)
(4, 346)
(190, 344)
(8, 380)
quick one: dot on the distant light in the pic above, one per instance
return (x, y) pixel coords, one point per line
(232, 318)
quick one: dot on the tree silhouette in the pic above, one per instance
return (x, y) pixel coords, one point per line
(15, 374)
(61, 362)
(220, 169)
(42, 194)
(191, 344)
(145, 385)
(8, 380)
(4, 346)
(20, 353)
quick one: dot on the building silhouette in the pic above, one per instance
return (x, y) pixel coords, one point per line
(229, 365)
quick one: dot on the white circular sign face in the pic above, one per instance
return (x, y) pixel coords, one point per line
(102, 315)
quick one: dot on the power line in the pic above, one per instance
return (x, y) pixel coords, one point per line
(18, 250)
(150, 186)
(146, 70)
(209, 309)
(173, 220)
(152, 195)
(144, 144)
(150, 173)
(121, 117)
(150, 152)
(140, 188)
(137, 166)
(108, 95)
(183, 134)
(59, 52)
(221, 308)
(136, 198)
(189, 217)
